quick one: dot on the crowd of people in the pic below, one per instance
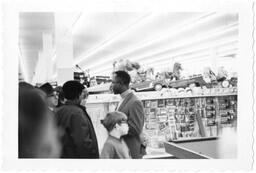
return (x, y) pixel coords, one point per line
(54, 123)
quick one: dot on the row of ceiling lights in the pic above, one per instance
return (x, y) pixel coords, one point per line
(192, 41)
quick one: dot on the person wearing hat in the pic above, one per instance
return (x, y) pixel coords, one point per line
(115, 147)
(79, 138)
(52, 96)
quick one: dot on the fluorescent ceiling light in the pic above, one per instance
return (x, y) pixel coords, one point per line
(190, 50)
(167, 59)
(160, 66)
(188, 42)
(177, 56)
(162, 36)
(206, 36)
(139, 21)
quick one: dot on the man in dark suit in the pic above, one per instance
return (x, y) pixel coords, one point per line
(132, 106)
(79, 139)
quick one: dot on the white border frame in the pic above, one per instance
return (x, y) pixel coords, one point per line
(10, 102)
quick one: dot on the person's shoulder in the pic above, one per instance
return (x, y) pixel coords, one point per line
(134, 96)
(70, 108)
(108, 150)
(109, 144)
(135, 100)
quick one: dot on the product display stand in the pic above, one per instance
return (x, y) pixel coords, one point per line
(191, 119)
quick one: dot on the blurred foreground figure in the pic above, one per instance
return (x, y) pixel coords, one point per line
(37, 135)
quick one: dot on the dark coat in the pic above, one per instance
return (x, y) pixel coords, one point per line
(133, 108)
(79, 138)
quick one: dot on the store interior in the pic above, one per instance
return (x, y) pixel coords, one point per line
(183, 67)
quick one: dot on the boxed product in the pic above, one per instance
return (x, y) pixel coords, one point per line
(152, 125)
(170, 102)
(147, 110)
(161, 103)
(162, 118)
(152, 116)
(147, 104)
(153, 104)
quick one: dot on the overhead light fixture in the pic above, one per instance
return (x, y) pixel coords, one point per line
(162, 36)
(191, 41)
(217, 32)
(140, 20)
(180, 56)
(164, 64)
(191, 50)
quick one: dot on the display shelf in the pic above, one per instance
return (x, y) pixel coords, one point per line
(177, 118)
(101, 88)
(185, 118)
(190, 96)
(107, 98)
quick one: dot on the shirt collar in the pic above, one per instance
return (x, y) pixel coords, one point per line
(124, 94)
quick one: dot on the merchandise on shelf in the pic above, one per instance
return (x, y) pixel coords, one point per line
(176, 118)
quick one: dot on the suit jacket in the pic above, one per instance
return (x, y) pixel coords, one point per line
(133, 108)
(79, 138)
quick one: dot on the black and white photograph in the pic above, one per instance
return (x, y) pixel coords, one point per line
(160, 87)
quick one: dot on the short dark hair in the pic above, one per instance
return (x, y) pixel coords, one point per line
(47, 88)
(123, 76)
(72, 89)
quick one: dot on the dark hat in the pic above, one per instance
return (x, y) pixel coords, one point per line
(47, 88)
(72, 89)
(113, 118)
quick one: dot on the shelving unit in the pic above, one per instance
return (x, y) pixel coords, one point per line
(179, 118)
(167, 120)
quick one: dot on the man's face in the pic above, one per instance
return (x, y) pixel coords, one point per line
(52, 100)
(83, 96)
(116, 85)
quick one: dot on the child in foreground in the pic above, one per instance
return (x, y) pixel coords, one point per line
(115, 147)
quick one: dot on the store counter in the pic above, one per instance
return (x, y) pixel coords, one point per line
(157, 153)
(197, 148)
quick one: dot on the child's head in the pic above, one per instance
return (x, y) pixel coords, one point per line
(116, 121)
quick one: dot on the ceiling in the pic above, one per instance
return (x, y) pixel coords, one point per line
(152, 39)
